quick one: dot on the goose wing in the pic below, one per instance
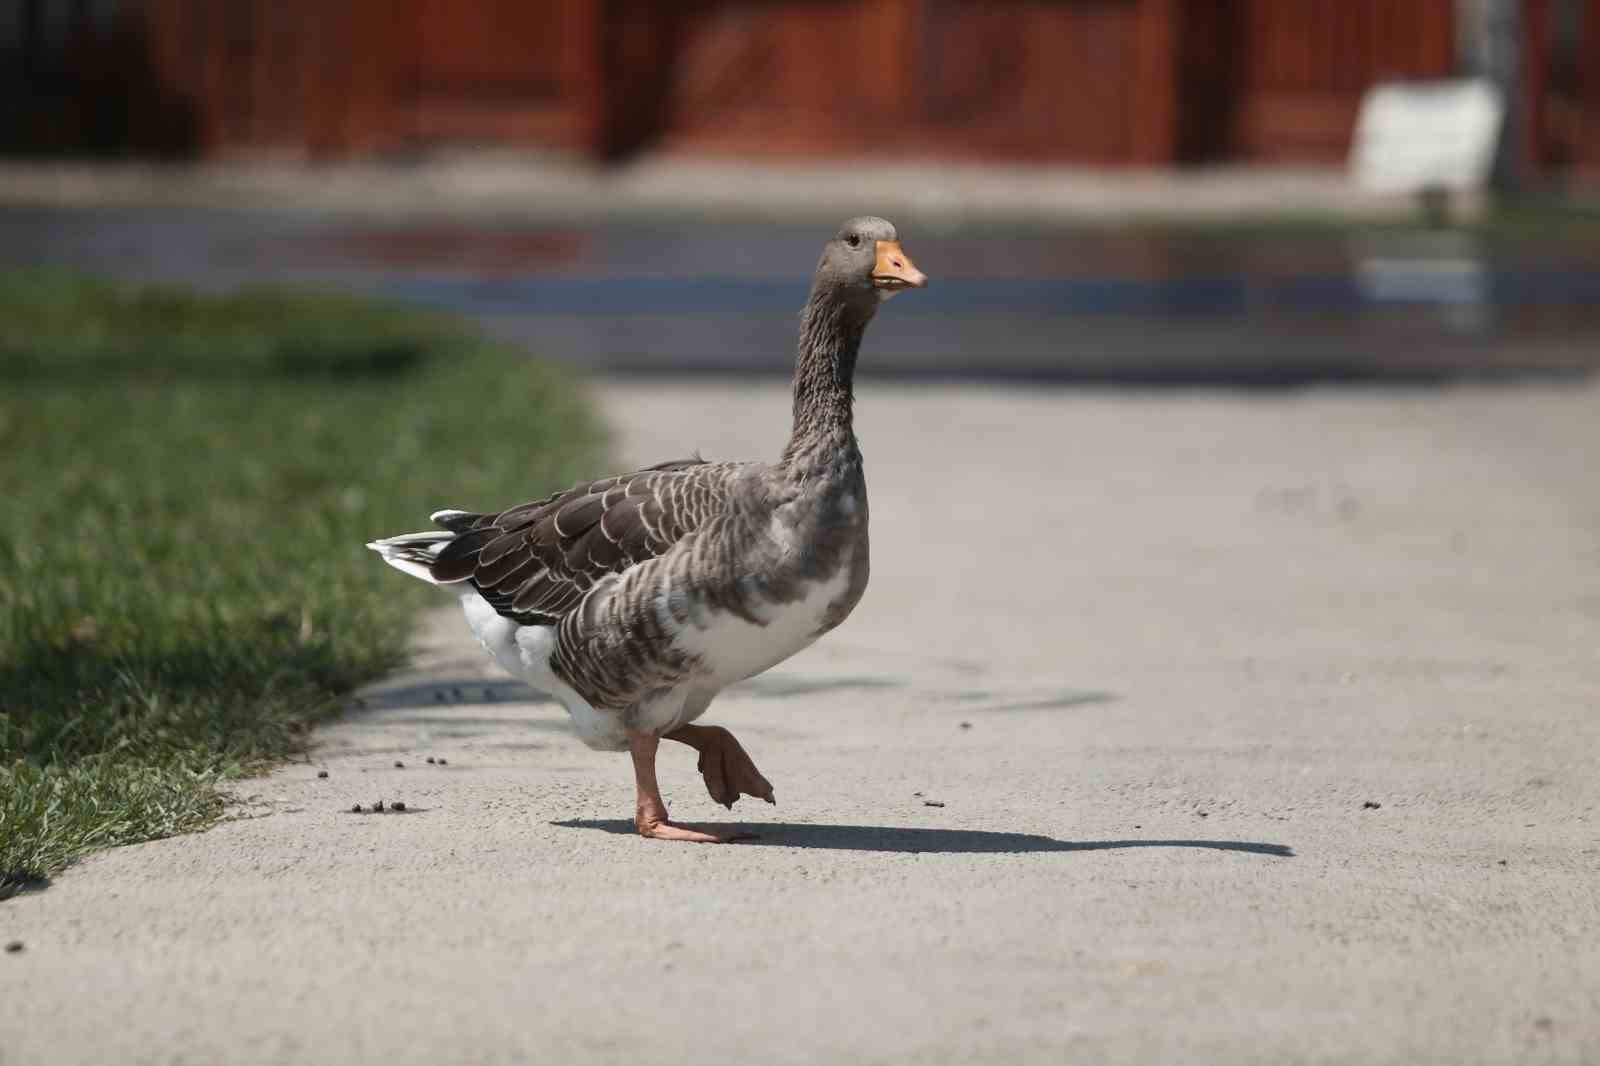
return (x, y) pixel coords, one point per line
(534, 562)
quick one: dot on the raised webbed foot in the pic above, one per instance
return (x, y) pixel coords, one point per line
(728, 770)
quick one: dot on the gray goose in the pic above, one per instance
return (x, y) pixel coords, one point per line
(635, 599)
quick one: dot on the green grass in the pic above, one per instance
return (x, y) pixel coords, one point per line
(187, 483)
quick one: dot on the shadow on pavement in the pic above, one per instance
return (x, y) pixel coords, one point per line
(447, 691)
(475, 689)
(16, 882)
(943, 841)
(781, 687)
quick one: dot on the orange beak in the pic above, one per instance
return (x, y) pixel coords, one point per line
(894, 269)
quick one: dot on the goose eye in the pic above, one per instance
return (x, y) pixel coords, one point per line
(854, 240)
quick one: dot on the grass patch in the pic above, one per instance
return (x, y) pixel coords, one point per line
(188, 483)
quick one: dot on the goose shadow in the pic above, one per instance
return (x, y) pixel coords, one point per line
(445, 691)
(450, 690)
(783, 687)
(918, 841)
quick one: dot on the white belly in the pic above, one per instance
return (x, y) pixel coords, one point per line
(731, 648)
(726, 646)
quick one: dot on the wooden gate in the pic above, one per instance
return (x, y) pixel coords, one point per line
(1090, 81)
(1086, 80)
(1287, 76)
(1100, 81)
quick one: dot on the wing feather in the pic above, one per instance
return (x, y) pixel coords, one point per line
(534, 562)
(510, 569)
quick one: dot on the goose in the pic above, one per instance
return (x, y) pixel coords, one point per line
(635, 599)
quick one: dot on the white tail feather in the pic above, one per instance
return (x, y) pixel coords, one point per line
(413, 553)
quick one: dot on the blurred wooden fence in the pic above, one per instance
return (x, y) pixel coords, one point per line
(1094, 81)
(1561, 86)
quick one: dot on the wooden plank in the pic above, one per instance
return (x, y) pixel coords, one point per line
(626, 86)
(586, 84)
(1207, 69)
(208, 36)
(511, 71)
(1297, 126)
(492, 47)
(1589, 89)
(1155, 93)
(1438, 37)
(1037, 80)
(1535, 78)
(1306, 64)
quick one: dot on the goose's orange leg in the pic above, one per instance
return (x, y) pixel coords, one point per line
(650, 814)
(728, 770)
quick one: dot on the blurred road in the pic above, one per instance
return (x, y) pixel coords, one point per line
(1175, 727)
(1244, 305)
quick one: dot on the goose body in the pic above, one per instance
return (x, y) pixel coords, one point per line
(655, 642)
(635, 599)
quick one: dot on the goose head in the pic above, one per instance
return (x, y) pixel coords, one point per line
(864, 261)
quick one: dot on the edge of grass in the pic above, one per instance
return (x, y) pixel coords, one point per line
(191, 480)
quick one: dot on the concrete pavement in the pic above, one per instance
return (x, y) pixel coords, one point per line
(554, 188)
(1264, 729)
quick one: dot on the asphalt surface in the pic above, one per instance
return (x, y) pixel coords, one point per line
(1199, 727)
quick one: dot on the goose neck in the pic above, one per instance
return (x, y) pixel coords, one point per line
(824, 376)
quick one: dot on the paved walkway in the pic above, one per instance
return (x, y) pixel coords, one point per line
(1173, 728)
